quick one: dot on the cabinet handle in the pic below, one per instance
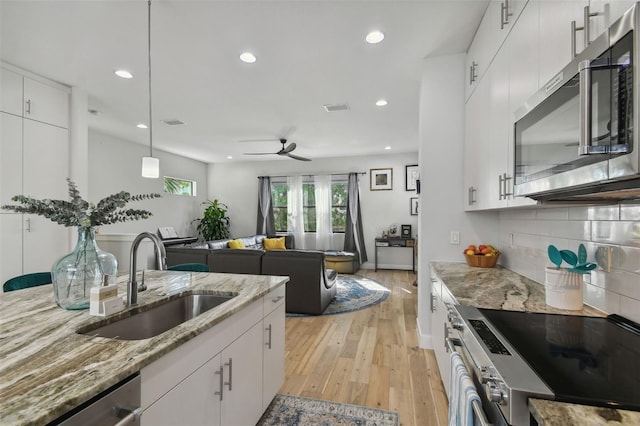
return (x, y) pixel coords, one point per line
(28, 106)
(220, 371)
(574, 29)
(506, 178)
(28, 221)
(587, 26)
(230, 382)
(504, 14)
(277, 299)
(473, 75)
(472, 200)
(500, 194)
(132, 416)
(268, 329)
(433, 305)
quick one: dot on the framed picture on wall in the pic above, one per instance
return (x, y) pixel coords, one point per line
(411, 177)
(381, 179)
(413, 206)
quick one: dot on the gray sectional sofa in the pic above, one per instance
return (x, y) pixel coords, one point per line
(311, 285)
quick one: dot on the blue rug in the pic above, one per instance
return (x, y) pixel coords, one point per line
(354, 292)
(287, 410)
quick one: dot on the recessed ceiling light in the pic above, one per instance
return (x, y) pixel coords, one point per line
(141, 126)
(248, 57)
(381, 102)
(387, 148)
(123, 74)
(229, 157)
(375, 37)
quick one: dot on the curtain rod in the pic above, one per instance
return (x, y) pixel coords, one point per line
(310, 175)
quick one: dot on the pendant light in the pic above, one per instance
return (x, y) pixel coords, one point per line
(150, 165)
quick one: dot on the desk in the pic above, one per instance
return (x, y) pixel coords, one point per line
(398, 242)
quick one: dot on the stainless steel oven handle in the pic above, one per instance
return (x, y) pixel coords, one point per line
(131, 418)
(477, 407)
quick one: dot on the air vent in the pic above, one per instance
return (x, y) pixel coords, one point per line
(336, 107)
(173, 122)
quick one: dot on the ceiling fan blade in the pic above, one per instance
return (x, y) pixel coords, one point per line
(296, 157)
(290, 148)
(259, 153)
(259, 140)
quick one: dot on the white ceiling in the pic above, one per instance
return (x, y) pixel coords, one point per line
(310, 53)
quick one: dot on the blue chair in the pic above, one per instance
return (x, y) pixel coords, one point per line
(193, 267)
(26, 281)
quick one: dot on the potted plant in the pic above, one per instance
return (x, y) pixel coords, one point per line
(214, 225)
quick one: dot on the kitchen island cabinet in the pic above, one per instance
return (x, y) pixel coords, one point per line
(42, 353)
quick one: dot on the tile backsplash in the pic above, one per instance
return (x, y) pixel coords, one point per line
(611, 231)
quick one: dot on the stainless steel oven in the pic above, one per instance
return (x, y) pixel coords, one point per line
(578, 135)
(514, 356)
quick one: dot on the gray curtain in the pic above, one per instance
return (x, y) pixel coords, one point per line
(266, 221)
(353, 235)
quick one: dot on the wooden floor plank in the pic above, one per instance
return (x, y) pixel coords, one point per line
(368, 357)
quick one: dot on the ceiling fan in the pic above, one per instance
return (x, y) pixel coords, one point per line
(285, 151)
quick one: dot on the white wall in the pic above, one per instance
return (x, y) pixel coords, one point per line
(115, 164)
(526, 234)
(441, 154)
(236, 185)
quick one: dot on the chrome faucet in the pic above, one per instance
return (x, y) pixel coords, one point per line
(161, 263)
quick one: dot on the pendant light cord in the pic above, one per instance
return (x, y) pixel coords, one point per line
(149, 51)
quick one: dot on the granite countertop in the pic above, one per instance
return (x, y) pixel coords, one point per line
(47, 369)
(500, 288)
(497, 288)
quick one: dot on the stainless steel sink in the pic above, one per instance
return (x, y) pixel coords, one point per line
(157, 320)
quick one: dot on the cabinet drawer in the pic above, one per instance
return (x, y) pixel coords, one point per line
(274, 298)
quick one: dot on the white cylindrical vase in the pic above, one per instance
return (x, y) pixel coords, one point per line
(563, 289)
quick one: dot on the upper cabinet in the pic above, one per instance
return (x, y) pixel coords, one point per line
(33, 99)
(498, 20)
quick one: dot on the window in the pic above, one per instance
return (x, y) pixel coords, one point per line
(179, 186)
(338, 206)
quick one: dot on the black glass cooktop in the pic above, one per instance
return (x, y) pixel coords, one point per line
(584, 360)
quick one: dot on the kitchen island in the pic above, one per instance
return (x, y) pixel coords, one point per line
(47, 369)
(502, 289)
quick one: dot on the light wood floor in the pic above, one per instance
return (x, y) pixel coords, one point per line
(369, 357)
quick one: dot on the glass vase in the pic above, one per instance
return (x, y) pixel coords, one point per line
(83, 268)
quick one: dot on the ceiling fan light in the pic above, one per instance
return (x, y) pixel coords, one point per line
(248, 57)
(150, 167)
(374, 37)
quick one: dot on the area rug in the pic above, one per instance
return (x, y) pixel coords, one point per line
(354, 292)
(290, 410)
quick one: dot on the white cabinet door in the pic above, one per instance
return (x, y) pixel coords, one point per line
(273, 359)
(438, 325)
(44, 242)
(10, 157)
(10, 92)
(476, 139)
(46, 103)
(192, 402)
(555, 36)
(484, 45)
(499, 125)
(10, 246)
(45, 160)
(242, 362)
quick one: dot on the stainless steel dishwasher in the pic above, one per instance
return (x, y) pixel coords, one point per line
(117, 406)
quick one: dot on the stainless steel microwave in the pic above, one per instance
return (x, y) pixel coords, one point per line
(577, 137)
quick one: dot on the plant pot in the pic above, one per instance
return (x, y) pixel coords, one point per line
(85, 267)
(563, 289)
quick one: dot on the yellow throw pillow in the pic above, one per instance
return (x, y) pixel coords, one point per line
(236, 244)
(274, 243)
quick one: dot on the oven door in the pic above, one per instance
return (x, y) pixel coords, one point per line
(579, 129)
(488, 413)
